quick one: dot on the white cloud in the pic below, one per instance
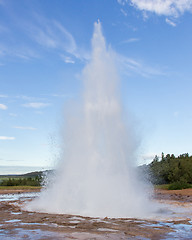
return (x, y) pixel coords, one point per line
(130, 40)
(173, 8)
(48, 34)
(6, 138)
(25, 128)
(60, 95)
(13, 114)
(170, 22)
(129, 65)
(122, 2)
(124, 12)
(3, 96)
(23, 97)
(29, 98)
(23, 52)
(36, 105)
(52, 34)
(67, 59)
(3, 106)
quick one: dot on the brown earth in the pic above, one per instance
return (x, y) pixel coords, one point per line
(180, 195)
(12, 191)
(13, 221)
(18, 224)
(184, 195)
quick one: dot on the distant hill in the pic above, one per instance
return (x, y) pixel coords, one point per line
(27, 175)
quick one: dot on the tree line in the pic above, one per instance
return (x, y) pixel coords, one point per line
(176, 171)
(22, 181)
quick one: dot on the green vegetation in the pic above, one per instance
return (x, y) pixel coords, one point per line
(175, 171)
(27, 181)
(179, 185)
(162, 186)
(18, 187)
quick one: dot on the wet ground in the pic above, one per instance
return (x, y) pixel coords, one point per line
(173, 222)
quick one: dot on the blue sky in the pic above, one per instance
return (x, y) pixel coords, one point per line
(44, 46)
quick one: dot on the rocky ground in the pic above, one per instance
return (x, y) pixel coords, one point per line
(14, 191)
(18, 224)
(184, 195)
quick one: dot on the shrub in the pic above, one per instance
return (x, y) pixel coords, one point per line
(179, 185)
(22, 182)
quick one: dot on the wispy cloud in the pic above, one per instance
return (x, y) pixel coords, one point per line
(52, 34)
(124, 12)
(23, 97)
(67, 59)
(13, 114)
(60, 95)
(6, 138)
(36, 105)
(3, 106)
(122, 2)
(16, 51)
(3, 96)
(48, 34)
(129, 66)
(25, 128)
(173, 8)
(29, 98)
(25, 52)
(130, 40)
(173, 24)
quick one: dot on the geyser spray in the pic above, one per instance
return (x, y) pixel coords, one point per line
(96, 175)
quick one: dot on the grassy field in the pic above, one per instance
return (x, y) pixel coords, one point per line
(18, 187)
(162, 186)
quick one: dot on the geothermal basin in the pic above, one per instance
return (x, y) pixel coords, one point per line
(172, 221)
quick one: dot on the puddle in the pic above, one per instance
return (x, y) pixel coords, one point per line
(72, 226)
(77, 218)
(36, 234)
(74, 222)
(170, 210)
(13, 221)
(181, 231)
(16, 213)
(18, 196)
(107, 230)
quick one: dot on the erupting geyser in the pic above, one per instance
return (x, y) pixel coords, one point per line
(96, 175)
